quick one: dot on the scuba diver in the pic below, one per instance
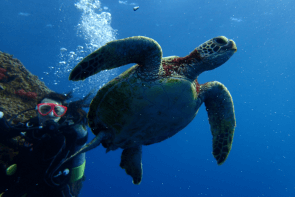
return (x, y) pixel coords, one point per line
(58, 131)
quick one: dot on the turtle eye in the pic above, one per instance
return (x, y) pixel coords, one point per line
(220, 40)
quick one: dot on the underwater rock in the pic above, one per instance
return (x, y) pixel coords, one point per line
(15, 78)
(19, 90)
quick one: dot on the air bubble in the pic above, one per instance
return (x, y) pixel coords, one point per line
(62, 62)
(94, 27)
(79, 58)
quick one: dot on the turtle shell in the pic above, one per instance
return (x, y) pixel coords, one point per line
(137, 111)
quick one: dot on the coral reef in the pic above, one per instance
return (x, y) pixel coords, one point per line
(2, 74)
(19, 89)
(31, 95)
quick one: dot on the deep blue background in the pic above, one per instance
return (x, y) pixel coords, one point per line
(260, 77)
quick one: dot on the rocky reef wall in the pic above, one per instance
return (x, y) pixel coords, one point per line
(19, 89)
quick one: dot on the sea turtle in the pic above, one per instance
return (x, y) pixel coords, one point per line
(156, 98)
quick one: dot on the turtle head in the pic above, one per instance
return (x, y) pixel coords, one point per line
(207, 56)
(215, 52)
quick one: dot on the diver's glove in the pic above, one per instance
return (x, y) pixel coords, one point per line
(3, 123)
(6, 130)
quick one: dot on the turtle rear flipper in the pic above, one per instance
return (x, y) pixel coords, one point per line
(144, 51)
(220, 109)
(131, 162)
(91, 145)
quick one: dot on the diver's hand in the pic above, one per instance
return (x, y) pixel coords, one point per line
(5, 130)
(3, 125)
(3, 122)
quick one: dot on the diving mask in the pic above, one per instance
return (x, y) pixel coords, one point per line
(46, 108)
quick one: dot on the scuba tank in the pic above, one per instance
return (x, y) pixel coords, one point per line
(78, 162)
(58, 173)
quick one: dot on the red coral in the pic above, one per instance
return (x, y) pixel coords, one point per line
(20, 92)
(31, 95)
(2, 76)
(2, 70)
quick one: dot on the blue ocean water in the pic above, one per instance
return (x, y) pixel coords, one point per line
(50, 37)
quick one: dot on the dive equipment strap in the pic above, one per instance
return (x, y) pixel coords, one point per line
(77, 172)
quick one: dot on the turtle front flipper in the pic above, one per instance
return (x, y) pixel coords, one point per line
(144, 51)
(131, 162)
(220, 109)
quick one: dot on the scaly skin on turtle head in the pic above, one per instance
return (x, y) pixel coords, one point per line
(208, 56)
(216, 51)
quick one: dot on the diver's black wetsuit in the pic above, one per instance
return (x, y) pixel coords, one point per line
(40, 171)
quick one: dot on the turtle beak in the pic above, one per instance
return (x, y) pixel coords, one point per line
(225, 44)
(231, 46)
